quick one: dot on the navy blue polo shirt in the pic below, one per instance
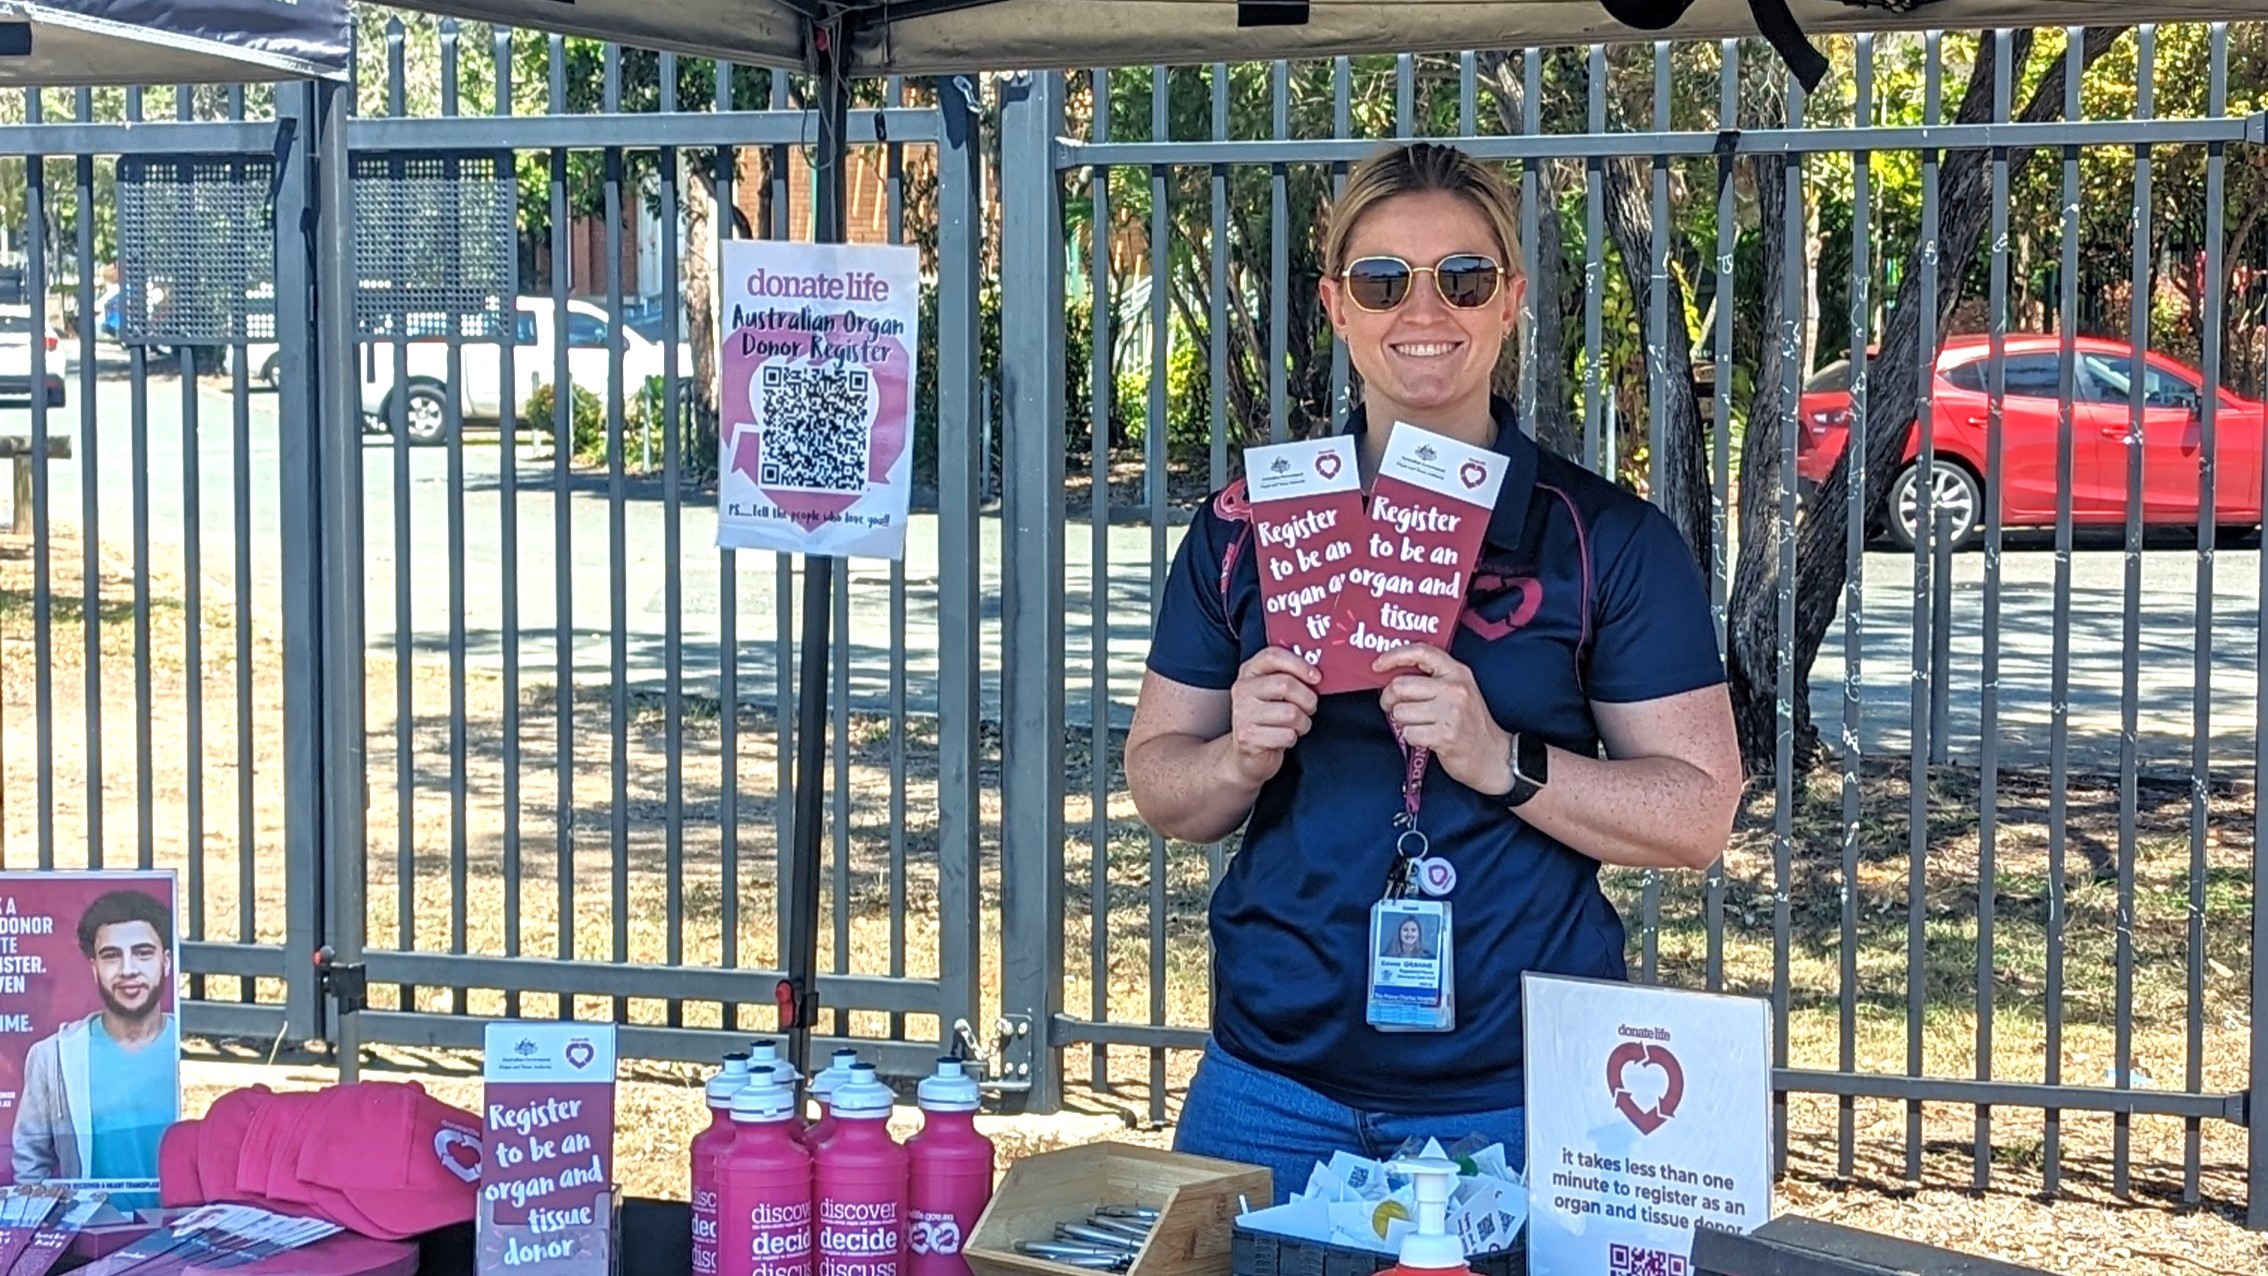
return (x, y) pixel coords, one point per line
(1583, 593)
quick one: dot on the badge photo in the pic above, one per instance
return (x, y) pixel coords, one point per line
(1412, 967)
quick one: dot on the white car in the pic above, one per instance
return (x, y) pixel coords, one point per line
(480, 389)
(17, 333)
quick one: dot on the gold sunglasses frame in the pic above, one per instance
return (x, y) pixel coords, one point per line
(1496, 281)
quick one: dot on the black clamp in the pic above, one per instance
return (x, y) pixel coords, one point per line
(346, 984)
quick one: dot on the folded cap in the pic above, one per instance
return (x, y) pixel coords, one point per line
(178, 1183)
(386, 1159)
(222, 1137)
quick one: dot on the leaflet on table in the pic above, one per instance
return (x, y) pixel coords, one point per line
(90, 1045)
(1429, 511)
(547, 1186)
(1363, 1204)
(1307, 521)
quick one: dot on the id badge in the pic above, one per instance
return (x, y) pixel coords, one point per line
(1413, 970)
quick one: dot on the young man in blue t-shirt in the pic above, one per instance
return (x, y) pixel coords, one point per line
(1585, 624)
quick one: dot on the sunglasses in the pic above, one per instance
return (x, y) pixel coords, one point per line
(1466, 281)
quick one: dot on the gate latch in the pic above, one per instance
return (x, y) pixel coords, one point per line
(347, 984)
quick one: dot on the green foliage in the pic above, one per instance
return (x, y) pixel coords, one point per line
(586, 421)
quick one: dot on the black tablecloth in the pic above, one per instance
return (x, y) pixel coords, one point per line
(657, 1240)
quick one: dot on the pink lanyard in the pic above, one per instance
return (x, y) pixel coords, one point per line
(1410, 845)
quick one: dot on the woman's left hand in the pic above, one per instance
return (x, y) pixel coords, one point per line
(1437, 705)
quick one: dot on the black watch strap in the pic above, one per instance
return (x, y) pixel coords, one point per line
(1531, 764)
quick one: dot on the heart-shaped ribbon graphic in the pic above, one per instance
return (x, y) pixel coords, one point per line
(1473, 473)
(459, 1153)
(1327, 465)
(1645, 1054)
(579, 1053)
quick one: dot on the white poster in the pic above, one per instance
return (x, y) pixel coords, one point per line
(1649, 1116)
(818, 364)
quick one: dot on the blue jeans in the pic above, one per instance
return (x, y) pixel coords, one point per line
(1237, 1112)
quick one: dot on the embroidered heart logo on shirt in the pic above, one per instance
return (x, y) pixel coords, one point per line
(1473, 473)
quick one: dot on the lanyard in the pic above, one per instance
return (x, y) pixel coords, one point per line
(1410, 846)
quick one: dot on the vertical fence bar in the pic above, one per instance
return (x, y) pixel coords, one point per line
(240, 492)
(1531, 178)
(1720, 484)
(405, 705)
(1795, 283)
(562, 521)
(1279, 257)
(1155, 471)
(723, 226)
(1342, 125)
(1594, 270)
(459, 728)
(1854, 596)
(1101, 396)
(192, 610)
(673, 553)
(1032, 578)
(961, 468)
(90, 504)
(508, 549)
(1468, 93)
(1918, 773)
(2059, 659)
(2130, 691)
(1657, 415)
(2201, 704)
(1988, 763)
(145, 825)
(1216, 326)
(2256, 1140)
(617, 518)
(43, 602)
(785, 869)
(1405, 94)
(894, 175)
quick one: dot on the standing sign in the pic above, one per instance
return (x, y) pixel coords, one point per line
(90, 1046)
(547, 1198)
(1649, 1115)
(818, 377)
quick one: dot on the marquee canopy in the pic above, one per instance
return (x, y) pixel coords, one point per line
(72, 42)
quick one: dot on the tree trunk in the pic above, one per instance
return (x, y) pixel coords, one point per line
(1554, 428)
(1685, 492)
(1753, 639)
(1965, 206)
(700, 443)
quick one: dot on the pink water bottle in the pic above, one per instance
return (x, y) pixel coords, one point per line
(822, 1087)
(728, 1082)
(763, 1188)
(950, 1180)
(861, 1178)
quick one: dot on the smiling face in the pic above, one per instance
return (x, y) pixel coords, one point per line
(1426, 361)
(1411, 936)
(131, 967)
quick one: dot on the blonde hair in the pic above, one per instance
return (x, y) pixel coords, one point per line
(1421, 166)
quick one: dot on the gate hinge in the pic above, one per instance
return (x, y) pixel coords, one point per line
(1007, 1063)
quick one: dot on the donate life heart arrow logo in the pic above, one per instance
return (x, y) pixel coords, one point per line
(1327, 465)
(1645, 1054)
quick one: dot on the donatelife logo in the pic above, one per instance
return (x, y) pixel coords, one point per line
(1645, 1056)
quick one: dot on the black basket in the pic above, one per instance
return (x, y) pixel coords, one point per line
(1256, 1253)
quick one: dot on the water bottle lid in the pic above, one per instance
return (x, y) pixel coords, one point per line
(763, 1100)
(862, 1096)
(834, 1074)
(767, 1054)
(728, 1080)
(950, 1089)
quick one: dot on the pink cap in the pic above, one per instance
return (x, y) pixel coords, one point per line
(178, 1183)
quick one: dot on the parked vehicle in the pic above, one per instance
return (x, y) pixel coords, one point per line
(2031, 414)
(17, 332)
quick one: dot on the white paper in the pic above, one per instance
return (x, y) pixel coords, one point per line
(1443, 465)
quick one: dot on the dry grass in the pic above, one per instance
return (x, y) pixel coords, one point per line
(632, 860)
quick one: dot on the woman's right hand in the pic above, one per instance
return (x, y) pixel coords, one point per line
(1271, 705)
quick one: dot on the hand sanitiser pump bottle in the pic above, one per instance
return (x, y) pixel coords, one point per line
(950, 1180)
(764, 1187)
(726, 1083)
(1430, 1250)
(861, 1174)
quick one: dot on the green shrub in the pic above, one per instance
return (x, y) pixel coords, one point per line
(586, 420)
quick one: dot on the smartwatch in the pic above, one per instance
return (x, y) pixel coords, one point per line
(1531, 768)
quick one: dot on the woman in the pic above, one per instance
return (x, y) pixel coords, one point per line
(1585, 624)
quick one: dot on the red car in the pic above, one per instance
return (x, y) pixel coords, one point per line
(2101, 418)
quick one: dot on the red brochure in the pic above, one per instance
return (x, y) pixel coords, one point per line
(1308, 524)
(1429, 511)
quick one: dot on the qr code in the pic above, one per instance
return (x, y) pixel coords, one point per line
(1632, 1260)
(815, 428)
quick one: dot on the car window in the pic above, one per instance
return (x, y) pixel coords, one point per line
(2027, 376)
(14, 323)
(583, 331)
(2112, 380)
(1835, 376)
(524, 330)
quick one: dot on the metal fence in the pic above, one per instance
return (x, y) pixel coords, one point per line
(495, 721)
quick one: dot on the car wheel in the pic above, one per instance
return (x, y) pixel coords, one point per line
(271, 372)
(425, 414)
(1953, 493)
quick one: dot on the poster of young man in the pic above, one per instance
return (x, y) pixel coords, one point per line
(90, 1046)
